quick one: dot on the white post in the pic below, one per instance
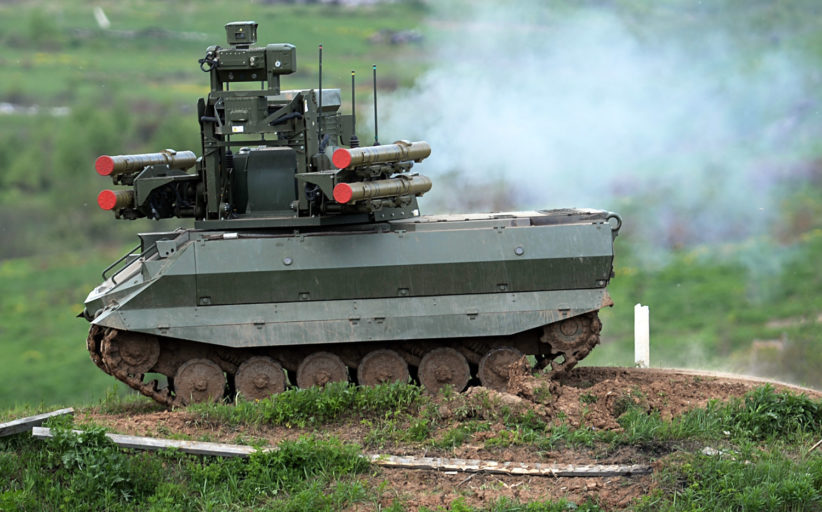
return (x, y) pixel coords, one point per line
(101, 18)
(642, 336)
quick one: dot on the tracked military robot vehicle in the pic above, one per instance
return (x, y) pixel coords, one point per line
(309, 261)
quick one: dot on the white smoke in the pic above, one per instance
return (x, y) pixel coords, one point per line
(574, 109)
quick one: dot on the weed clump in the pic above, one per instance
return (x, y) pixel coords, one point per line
(81, 471)
(316, 406)
(86, 471)
(750, 479)
(764, 413)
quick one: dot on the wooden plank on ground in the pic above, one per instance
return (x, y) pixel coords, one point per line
(150, 443)
(391, 461)
(26, 424)
(509, 468)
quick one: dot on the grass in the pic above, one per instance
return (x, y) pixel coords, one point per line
(62, 55)
(707, 307)
(86, 471)
(42, 354)
(763, 415)
(748, 479)
(402, 413)
(316, 406)
(759, 462)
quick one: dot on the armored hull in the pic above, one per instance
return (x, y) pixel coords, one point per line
(473, 288)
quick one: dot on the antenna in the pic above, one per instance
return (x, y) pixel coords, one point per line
(376, 139)
(320, 101)
(354, 142)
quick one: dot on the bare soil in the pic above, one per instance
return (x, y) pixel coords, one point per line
(592, 397)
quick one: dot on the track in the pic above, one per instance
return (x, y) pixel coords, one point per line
(198, 372)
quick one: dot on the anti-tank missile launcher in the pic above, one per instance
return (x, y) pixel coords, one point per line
(309, 261)
(267, 153)
(396, 187)
(160, 187)
(129, 164)
(397, 152)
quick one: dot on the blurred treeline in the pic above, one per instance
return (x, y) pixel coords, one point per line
(71, 91)
(74, 87)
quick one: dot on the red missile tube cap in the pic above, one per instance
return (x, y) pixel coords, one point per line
(104, 165)
(341, 158)
(342, 192)
(107, 199)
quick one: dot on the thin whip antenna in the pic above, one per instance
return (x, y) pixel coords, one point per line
(354, 141)
(320, 101)
(376, 138)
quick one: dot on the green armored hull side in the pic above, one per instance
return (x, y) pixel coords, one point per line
(431, 278)
(445, 298)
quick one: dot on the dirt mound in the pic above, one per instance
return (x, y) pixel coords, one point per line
(593, 397)
(600, 395)
(597, 396)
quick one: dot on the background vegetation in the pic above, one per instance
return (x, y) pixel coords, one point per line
(71, 91)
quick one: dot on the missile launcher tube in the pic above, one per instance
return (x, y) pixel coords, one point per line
(352, 192)
(115, 199)
(400, 151)
(114, 165)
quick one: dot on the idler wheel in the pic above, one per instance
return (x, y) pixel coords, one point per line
(570, 334)
(199, 380)
(132, 352)
(320, 368)
(259, 377)
(443, 366)
(494, 367)
(380, 367)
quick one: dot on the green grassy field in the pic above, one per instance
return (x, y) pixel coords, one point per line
(760, 458)
(150, 51)
(43, 349)
(707, 307)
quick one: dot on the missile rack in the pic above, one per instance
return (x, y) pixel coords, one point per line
(271, 157)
